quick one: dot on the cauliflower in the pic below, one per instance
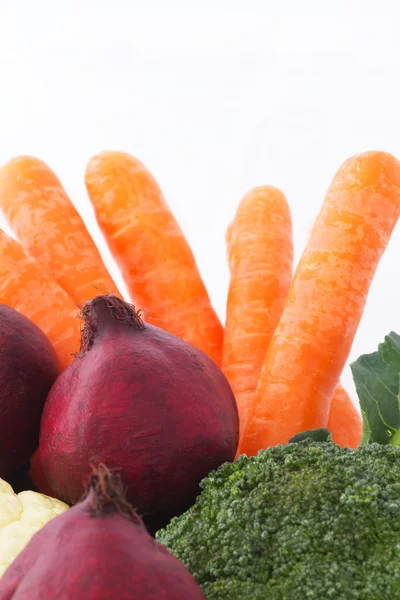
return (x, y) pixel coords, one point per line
(21, 515)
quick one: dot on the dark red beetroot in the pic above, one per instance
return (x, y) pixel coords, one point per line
(28, 369)
(144, 401)
(97, 550)
(37, 476)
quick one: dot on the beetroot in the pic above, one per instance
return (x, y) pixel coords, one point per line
(37, 476)
(144, 401)
(97, 550)
(28, 369)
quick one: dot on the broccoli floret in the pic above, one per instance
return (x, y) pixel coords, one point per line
(303, 520)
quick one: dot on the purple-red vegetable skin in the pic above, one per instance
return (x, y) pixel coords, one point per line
(144, 401)
(28, 369)
(97, 550)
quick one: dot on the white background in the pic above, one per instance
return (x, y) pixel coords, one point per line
(214, 97)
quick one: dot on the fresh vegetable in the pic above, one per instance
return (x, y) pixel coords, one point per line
(317, 435)
(21, 515)
(301, 520)
(30, 290)
(47, 224)
(377, 379)
(260, 255)
(28, 369)
(344, 421)
(313, 338)
(38, 477)
(143, 400)
(147, 243)
(97, 550)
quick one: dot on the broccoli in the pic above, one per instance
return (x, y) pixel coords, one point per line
(301, 520)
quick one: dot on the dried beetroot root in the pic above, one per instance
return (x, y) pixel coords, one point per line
(28, 369)
(97, 550)
(144, 401)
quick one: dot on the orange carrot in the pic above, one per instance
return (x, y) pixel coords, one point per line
(326, 300)
(49, 227)
(344, 421)
(27, 288)
(260, 255)
(155, 259)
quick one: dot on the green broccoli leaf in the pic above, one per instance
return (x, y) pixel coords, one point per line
(317, 435)
(377, 380)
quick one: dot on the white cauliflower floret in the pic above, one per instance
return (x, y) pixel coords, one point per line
(21, 515)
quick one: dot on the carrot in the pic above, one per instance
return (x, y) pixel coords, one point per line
(49, 227)
(260, 256)
(155, 259)
(27, 288)
(344, 422)
(325, 303)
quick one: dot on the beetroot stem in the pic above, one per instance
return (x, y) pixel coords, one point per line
(105, 495)
(100, 309)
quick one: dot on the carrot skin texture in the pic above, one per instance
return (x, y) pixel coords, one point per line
(49, 227)
(344, 421)
(28, 289)
(260, 256)
(326, 301)
(149, 247)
